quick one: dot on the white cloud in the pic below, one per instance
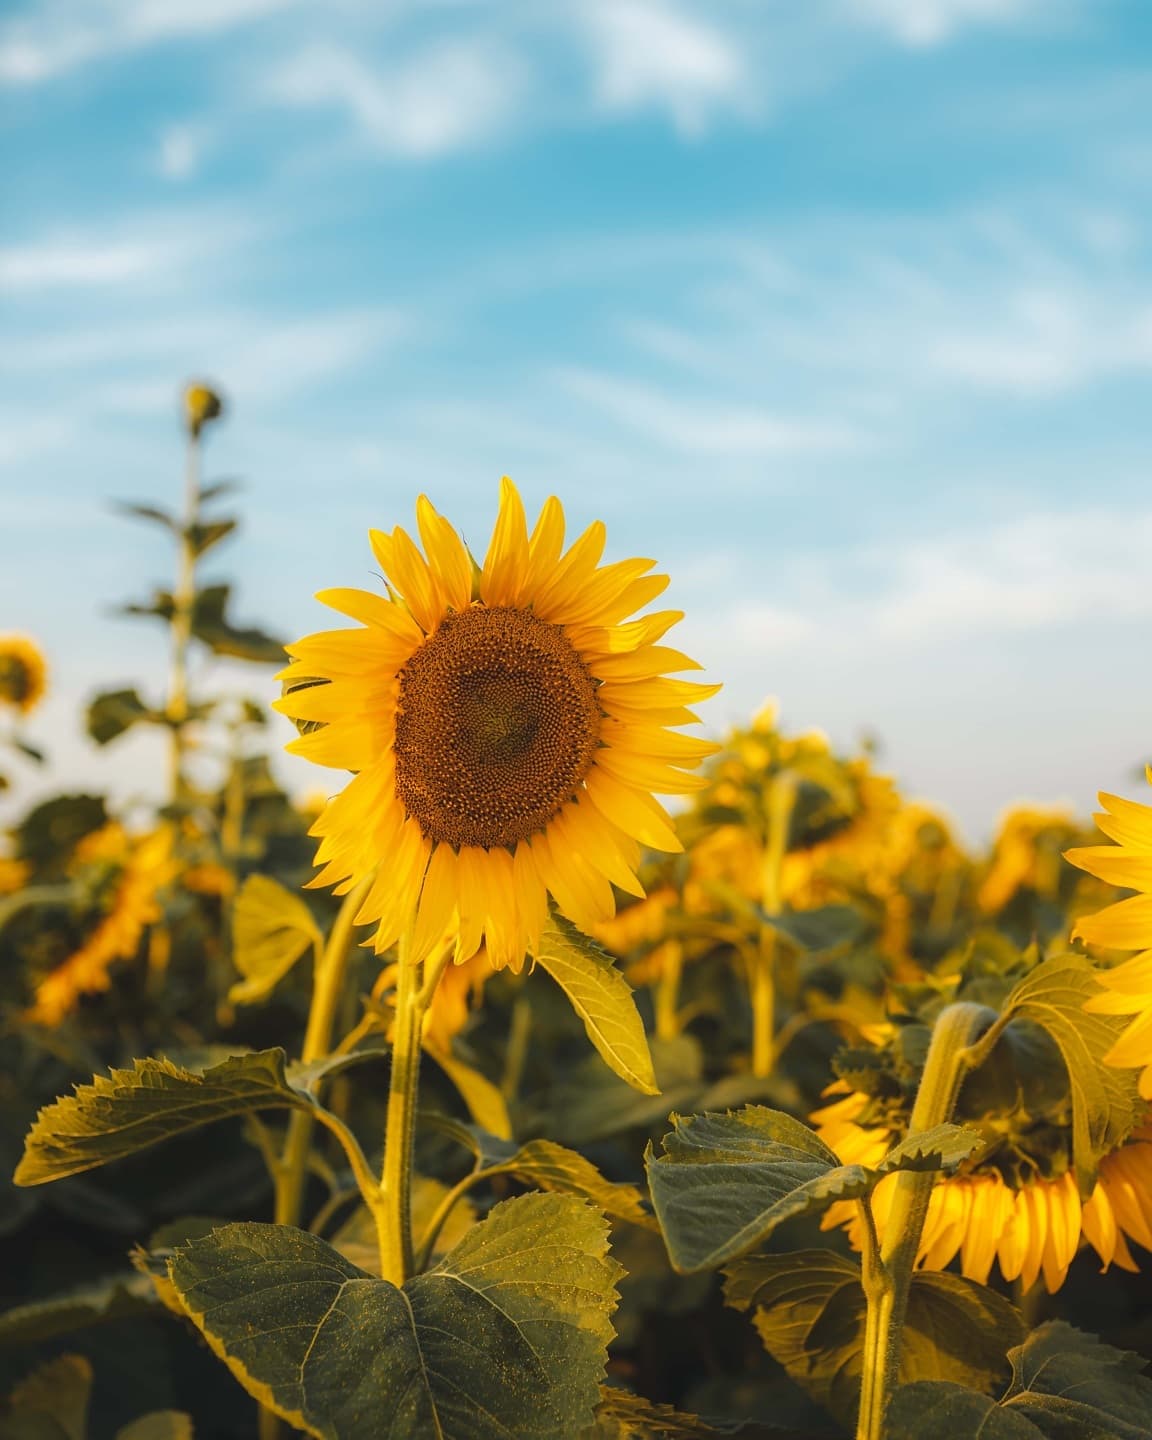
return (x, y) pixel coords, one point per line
(62, 262)
(692, 427)
(448, 97)
(648, 53)
(182, 149)
(59, 35)
(925, 23)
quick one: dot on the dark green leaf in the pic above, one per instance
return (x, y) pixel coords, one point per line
(602, 998)
(1105, 1101)
(809, 1309)
(1073, 1386)
(151, 513)
(207, 533)
(210, 624)
(129, 1110)
(28, 750)
(941, 1410)
(271, 929)
(108, 1299)
(822, 929)
(114, 712)
(52, 1404)
(507, 1335)
(943, 1147)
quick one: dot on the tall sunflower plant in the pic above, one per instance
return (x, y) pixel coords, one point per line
(507, 724)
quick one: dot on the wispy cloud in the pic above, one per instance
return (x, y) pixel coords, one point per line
(684, 423)
(57, 36)
(651, 54)
(925, 23)
(446, 97)
(182, 148)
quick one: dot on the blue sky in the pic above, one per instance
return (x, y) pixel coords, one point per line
(841, 309)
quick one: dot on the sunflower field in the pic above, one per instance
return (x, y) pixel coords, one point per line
(556, 1073)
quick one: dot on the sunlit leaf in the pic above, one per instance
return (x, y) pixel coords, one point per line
(624, 1416)
(128, 1110)
(485, 1103)
(1105, 1100)
(506, 1335)
(271, 929)
(159, 1425)
(602, 998)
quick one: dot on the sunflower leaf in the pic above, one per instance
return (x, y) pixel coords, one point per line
(272, 928)
(1105, 1101)
(602, 998)
(1066, 1385)
(725, 1182)
(809, 1310)
(624, 1416)
(128, 1110)
(159, 1425)
(107, 1299)
(821, 929)
(506, 1335)
(52, 1403)
(485, 1103)
(114, 712)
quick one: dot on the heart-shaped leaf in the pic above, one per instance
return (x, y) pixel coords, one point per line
(505, 1336)
(271, 929)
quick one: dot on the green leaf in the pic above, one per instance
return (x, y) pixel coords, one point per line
(159, 1425)
(822, 929)
(485, 1103)
(151, 513)
(933, 1409)
(114, 712)
(207, 533)
(1071, 1385)
(602, 998)
(107, 1299)
(505, 1336)
(725, 1182)
(210, 624)
(272, 928)
(809, 1309)
(358, 1239)
(1105, 1101)
(128, 1110)
(548, 1166)
(52, 1403)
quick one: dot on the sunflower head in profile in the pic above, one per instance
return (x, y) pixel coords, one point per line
(508, 726)
(23, 673)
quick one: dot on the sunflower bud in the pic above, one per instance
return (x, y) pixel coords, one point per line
(201, 404)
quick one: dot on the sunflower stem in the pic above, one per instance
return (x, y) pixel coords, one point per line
(327, 988)
(394, 1215)
(668, 992)
(781, 802)
(888, 1275)
(183, 604)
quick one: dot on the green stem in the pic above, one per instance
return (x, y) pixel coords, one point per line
(516, 1051)
(443, 1210)
(327, 988)
(394, 1215)
(763, 986)
(183, 603)
(668, 991)
(888, 1280)
(781, 801)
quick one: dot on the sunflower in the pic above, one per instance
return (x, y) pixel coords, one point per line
(1126, 925)
(145, 866)
(23, 673)
(1031, 1228)
(507, 726)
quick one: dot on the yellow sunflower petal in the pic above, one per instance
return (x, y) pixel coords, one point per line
(1124, 926)
(636, 814)
(374, 610)
(1114, 864)
(448, 558)
(506, 564)
(1126, 821)
(437, 903)
(402, 562)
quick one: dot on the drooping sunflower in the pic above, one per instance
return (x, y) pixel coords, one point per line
(1030, 1226)
(1127, 925)
(141, 868)
(508, 726)
(23, 673)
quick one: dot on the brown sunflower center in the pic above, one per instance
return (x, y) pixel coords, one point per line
(496, 727)
(15, 678)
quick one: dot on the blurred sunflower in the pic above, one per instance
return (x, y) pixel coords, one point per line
(23, 673)
(1126, 925)
(1030, 1226)
(140, 869)
(507, 727)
